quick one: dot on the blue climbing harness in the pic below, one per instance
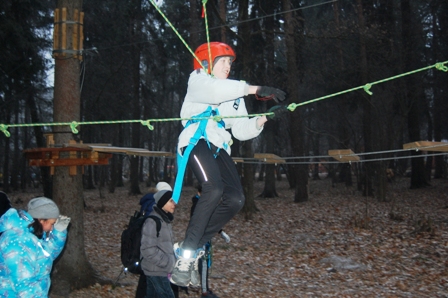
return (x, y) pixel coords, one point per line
(182, 160)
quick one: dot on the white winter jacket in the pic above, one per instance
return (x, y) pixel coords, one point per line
(226, 95)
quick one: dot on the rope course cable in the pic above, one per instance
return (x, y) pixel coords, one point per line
(329, 161)
(291, 107)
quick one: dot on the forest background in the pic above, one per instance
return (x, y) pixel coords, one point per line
(133, 66)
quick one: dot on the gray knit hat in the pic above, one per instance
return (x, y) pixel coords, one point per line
(43, 208)
(163, 186)
(162, 197)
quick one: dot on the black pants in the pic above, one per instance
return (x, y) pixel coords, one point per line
(221, 197)
(141, 288)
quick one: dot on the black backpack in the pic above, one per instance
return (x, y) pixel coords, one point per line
(131, 239)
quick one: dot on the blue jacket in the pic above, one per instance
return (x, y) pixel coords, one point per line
(25, 260)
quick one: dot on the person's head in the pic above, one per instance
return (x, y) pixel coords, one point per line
(221, 54)
(45, 213)
(5, 203)
(199, 188)
(164, 200)
(163, 186)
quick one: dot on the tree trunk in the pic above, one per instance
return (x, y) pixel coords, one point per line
(223, 19)
(367, 107)
(15, 154)
(439, 86)
(248, 173)
(45, 178)
(270, 127)
(135, 59)
(269, 190)
(194, 27)
(72, 270)
(249, 207)
(296, 124)
(413, 93)
(6, 156)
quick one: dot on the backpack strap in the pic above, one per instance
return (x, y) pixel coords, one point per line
(158, 223)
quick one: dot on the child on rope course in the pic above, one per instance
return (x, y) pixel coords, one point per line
(204, 145)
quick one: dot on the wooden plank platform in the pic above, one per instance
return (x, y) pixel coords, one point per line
(269, 158)
(344, 155)
(65, 156)
(262, 157)
(126, 150)
(427, 146)
(238, 159)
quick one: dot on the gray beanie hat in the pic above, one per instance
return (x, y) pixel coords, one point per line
(43, 208)
(163, 186)
(162, 197)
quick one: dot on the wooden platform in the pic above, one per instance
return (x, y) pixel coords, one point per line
(269, 158)
(262, 157)
(344, 155)
(125, 150)
(427, 146)
(80, 154)
(65, 156)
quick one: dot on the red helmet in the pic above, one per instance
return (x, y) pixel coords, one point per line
(217, 49)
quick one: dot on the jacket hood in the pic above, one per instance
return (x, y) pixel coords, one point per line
(146, 198)
(15, 219)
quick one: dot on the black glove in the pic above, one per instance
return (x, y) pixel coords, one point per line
(267, 93)
(279, 111)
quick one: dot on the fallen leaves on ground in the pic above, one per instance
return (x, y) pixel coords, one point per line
(337, 244)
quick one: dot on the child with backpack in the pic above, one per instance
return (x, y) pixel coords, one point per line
(147, 202)
(156, 248)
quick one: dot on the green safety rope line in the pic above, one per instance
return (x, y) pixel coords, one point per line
(210, 62)
(440, 66)
(4, 127)
(174, 29)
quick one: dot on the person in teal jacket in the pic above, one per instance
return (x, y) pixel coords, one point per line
(30, 242)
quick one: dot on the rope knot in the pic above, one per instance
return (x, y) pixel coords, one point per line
(441, 66)
(217, 118)
(147, 123)
(292, 107)
(73, 126)
(4, 129)
(367, 88)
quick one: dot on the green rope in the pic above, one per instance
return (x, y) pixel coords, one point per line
(291, 107)
(210, 62)
(175, 31)
(440, 66)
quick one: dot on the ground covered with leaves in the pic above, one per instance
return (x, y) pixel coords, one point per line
(337, 244)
